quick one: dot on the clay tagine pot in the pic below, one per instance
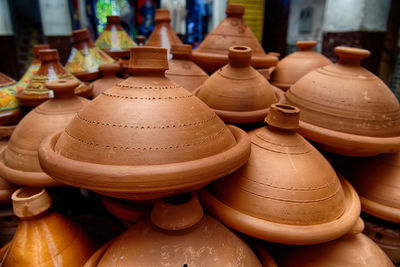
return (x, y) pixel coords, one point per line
(109, 78)
(114, 40)
(163, 35)
(10, 113)
(287, 192)
(237, 92)
(44, 237)
(19, 162)
(212, 53)
(346, 109)
(158, 140)
(85, 59)
(176, 225)
(290, 69)
(50, 69)
(140, 40)
(182, 70)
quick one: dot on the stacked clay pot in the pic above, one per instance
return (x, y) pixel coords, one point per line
(237, 92)
(19, 162)
(212, 53)
(290, 69)
(109, 78)
(182, 70)
(346, 109)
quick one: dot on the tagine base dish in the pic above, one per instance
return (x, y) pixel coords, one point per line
(380, 211)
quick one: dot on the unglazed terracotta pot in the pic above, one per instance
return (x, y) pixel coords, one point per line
(163, 35)
(140, 40)
(44, 237)
(212, 53)
(290, 69)
(19, 162)
(182, 70)
(114, 40)
(85, 59)
(158, 140)
(109, 78)
(346, 109)
(177, 234)
(10, 113)
(287, 193)
(50, 70)
(237, 92)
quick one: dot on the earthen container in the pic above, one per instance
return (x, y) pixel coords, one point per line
(10, 113)
(140, 40)
(109, 78)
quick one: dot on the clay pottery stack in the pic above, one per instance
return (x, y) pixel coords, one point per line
(50, 69)
(85, 58)
(140, 40)
(109, 78)
(19, 162)
(212, 53)
(44, 237)
(158, 140)
(237, 92)
(346, 109)
(287, 192)
(10, 113)
(177, 233)
(182, 70)
(163, 35)
(290, 69)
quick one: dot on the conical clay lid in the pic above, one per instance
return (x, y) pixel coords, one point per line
(10, 114)
(145, 137)
(287, 193)
(109, 78)
(182, 70)
(50, 70)
(291, 68)
(346, 109)
(237, 92)
(19, 162)
(85, 59)
(212, 53)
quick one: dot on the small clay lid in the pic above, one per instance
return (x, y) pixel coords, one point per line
(29, 202)
(148, 59)
(81, 35)
(306, 45)
(114, 19)
(234, 11)
(162, 15)
(181, 51)
(284, 173)
(140, 39)
(38, 47)
(355, 114)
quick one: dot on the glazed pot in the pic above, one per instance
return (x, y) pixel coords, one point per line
(346, 109)
(182, 70)
(212, 53)
(44, 237)
(287, 192)
(290, 69)
(237, 92)
(50, 69)
(10, 113)
(85, 59)
(109, 78)
(19, 162)
(158, 140)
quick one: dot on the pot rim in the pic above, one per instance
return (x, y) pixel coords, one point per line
(379, 210)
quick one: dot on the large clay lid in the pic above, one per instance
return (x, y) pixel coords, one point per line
(50, 70)
(177, 234)
(109, 78)
(346, 109)
(291, 68)
(237, 92)
(287, 192)
(182, 70)
(19, 162)
(212, 53)
(10, 114)
(114, 40)
(145, 137)
(85, 59)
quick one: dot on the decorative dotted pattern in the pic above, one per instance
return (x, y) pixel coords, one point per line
(148, 87)
(147, 98)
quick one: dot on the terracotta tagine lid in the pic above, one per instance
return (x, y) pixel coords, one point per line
(237, 92)
(44, 237)
(177, 234)
(85, 59)
(50, 70)
(182, 70)
(140, 40)
(163, 35)
(109, 78)
(10, 113)
(158, 140)
(284, 173)
(19, 162)
(212, 53)
(346, 109)
(290, 69)
(114, 40)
